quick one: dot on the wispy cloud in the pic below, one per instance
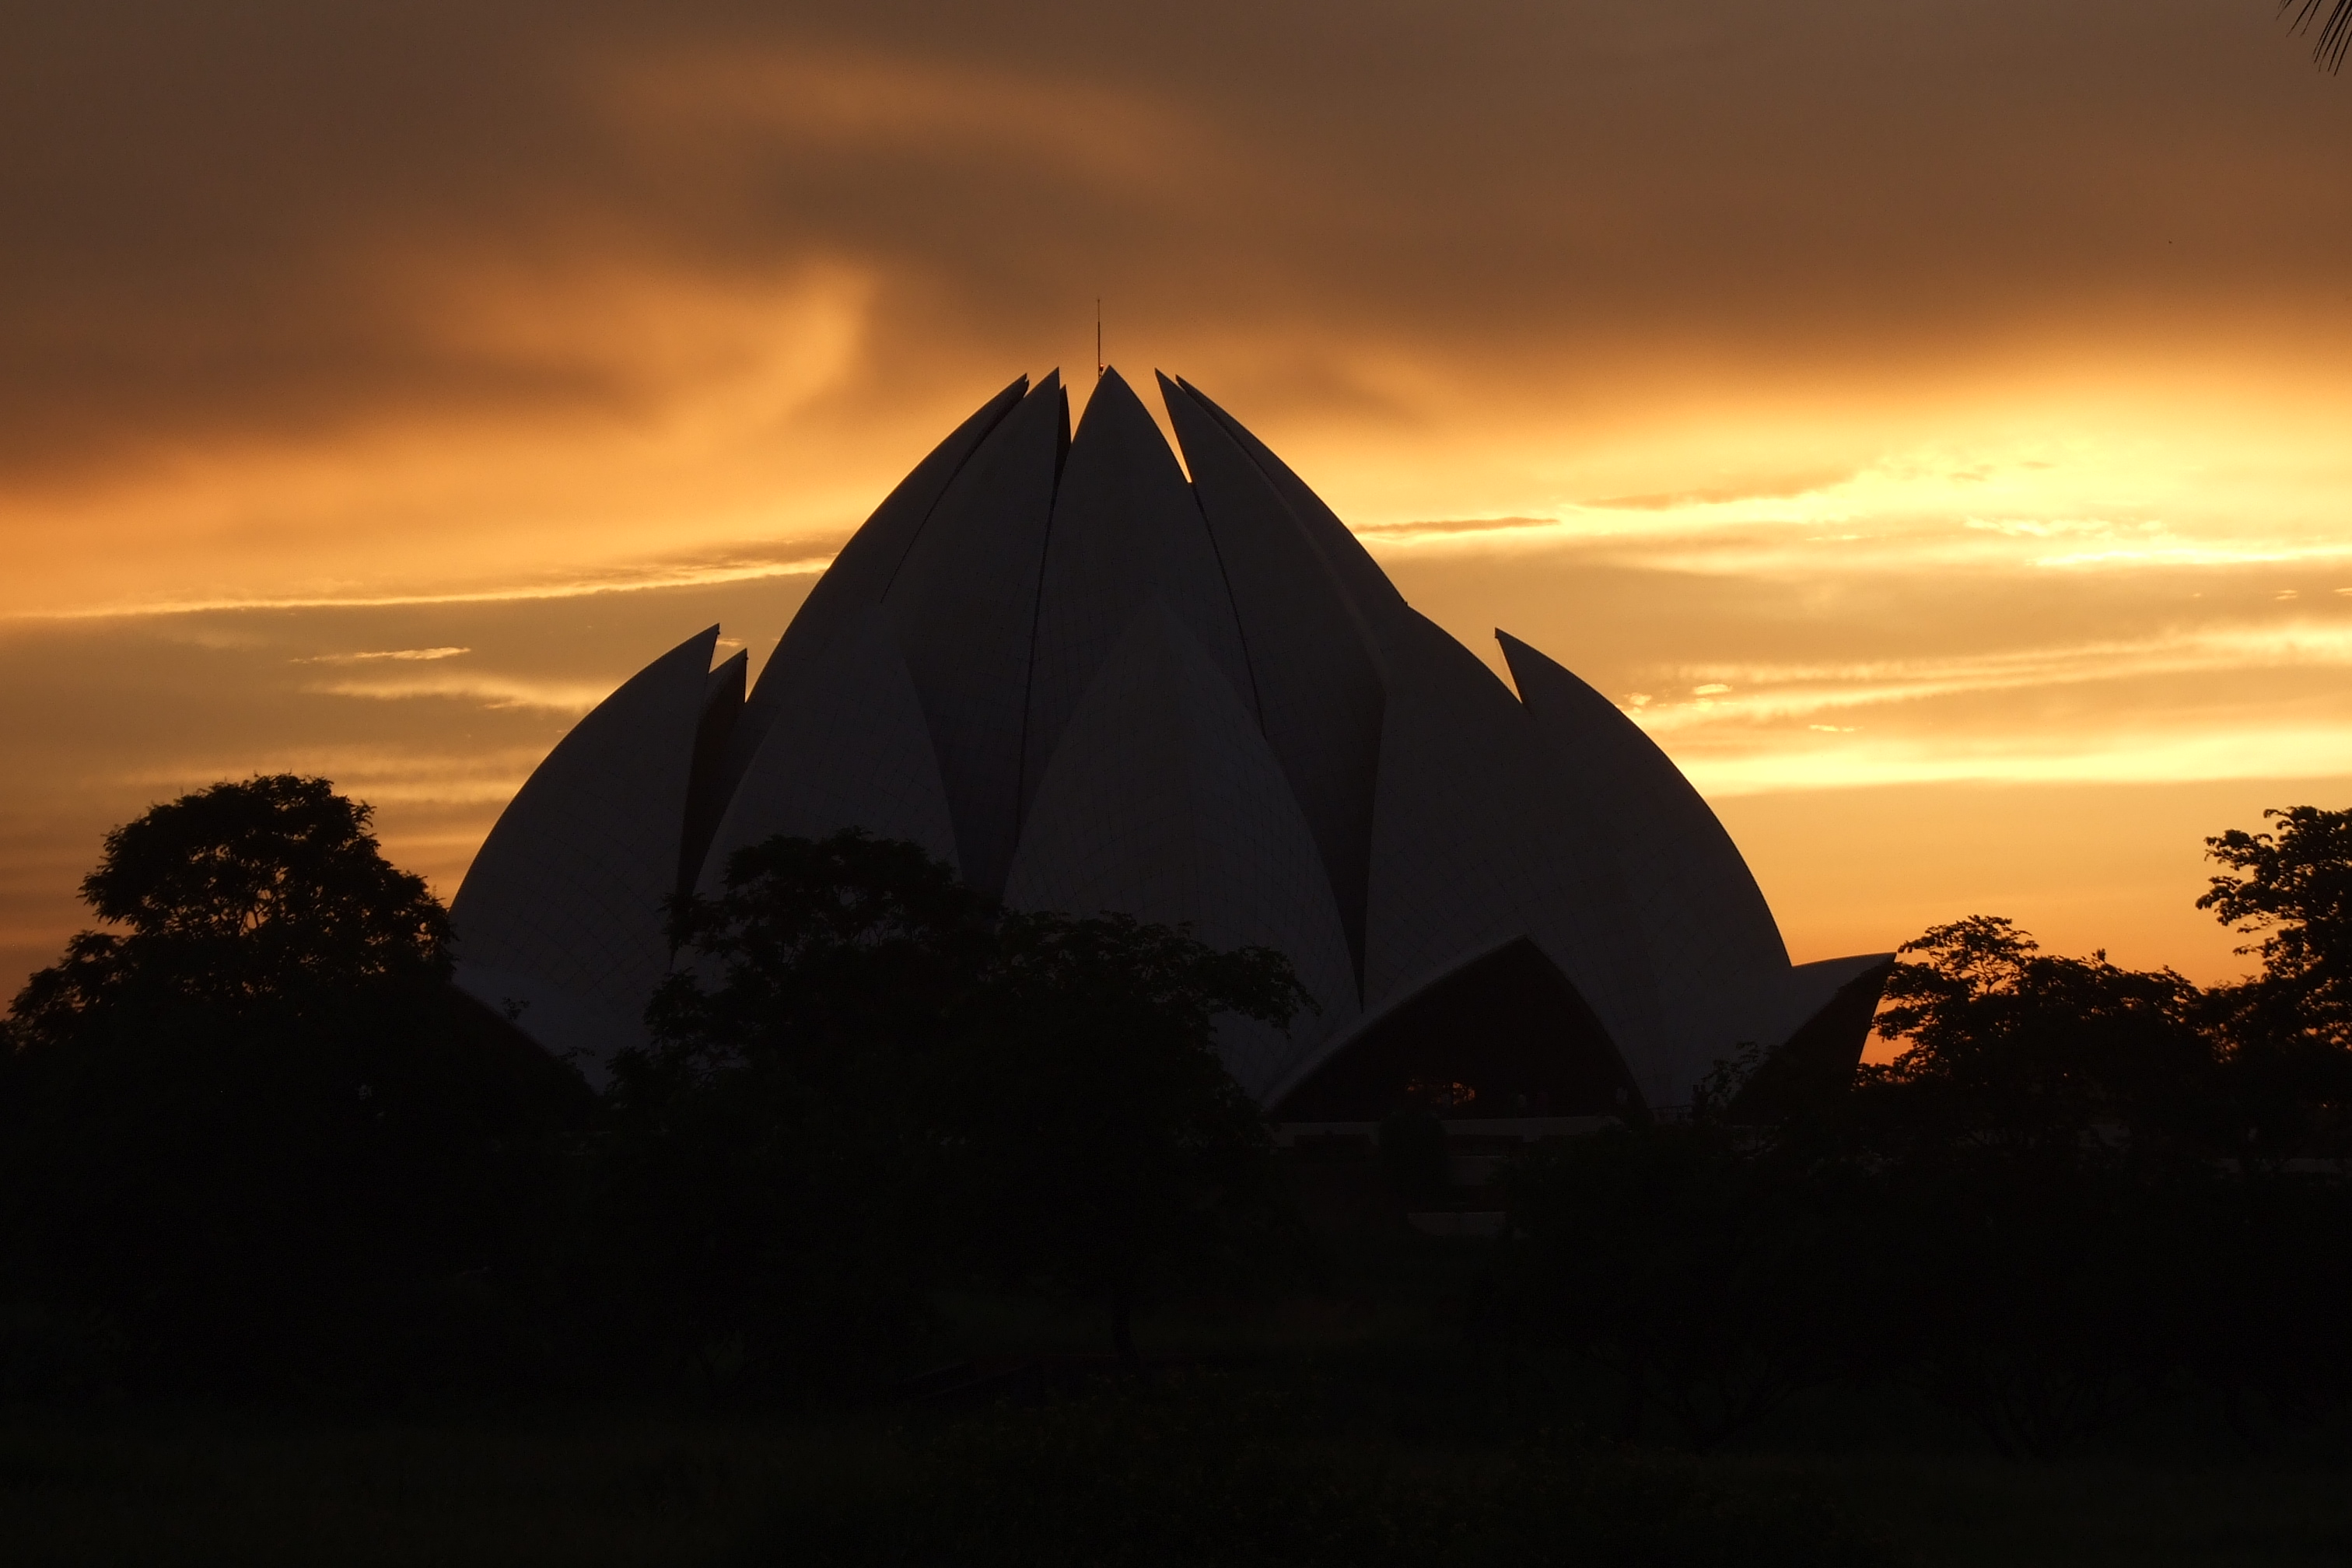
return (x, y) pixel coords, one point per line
(626, 580)
(2137, 756)
(1765, 692)
(418, 655)
(1457, 526)
(1780, 488)
(498, 691)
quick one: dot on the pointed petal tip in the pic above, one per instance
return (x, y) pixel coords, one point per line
(1111, 392)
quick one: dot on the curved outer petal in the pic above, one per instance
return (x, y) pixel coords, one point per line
(1719, 954)
(1126, 528)
(1370, 594)
(1727, 980)
(1804, 990)
(568, 890)
(1694, 893)
(862, 572)
(847, 748)
(1318, 685)
(1164, 802)
(1472, 846)
(964, 605)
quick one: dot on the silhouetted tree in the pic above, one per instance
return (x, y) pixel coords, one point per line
(865, 1074)
(254, 1124)
(2077, 1187)
(243, 899)
(1114, 1152)
(2033, 1148)
(2295, 887)
(2288, 1031)
(816, 955)
(769, 1186)
(2008, 1046)
(1715, 1271)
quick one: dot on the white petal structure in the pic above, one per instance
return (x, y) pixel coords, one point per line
(559, 923)
(1126, 529)
(846, 747)
(1187, 819)
(865, 569)
(1092, 682)
(1719, 955)
(964, 604)
(1319, 691)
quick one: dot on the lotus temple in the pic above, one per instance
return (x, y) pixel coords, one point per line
(1094, 678)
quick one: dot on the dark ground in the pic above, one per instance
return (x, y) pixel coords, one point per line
(1373, 1370)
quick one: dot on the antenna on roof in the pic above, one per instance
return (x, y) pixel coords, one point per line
(1098, 358)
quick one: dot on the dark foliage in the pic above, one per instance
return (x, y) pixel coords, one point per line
(816, 957)
(1204, 1473)
(2033, 1295)
(2295, 885)
(254, 1136)
(2335, 35)
(1412, 1156)
(764, 1209)
(871, 1077)
(2078, 1191)
(251, 1139)
(2008, 1047)
(2068, 1152)
(1713, 1272)
(248, 900)
(2287, 1033)
(1108, 1147)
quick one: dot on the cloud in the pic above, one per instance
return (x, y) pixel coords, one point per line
(1768, 691)
(1962, 387)
(2164, 756)
(1408, 531)
(1778, 488)
(416, 653)
(321, 218)
(571, 698)
(638, 579)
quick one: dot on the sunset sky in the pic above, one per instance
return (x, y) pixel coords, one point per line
(1930, 421)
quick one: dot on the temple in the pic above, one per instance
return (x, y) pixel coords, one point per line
(1094, 679)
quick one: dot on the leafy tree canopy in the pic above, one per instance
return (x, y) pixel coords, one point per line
(253, 1124)
(2008, 1044)
(240, 897)
(1116, 1153)
(2294, 886)
(820, 951)
(860, 1036)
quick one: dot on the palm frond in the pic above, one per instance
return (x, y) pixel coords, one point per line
(2335, 34)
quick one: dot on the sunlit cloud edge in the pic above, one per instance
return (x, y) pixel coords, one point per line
(634, 583)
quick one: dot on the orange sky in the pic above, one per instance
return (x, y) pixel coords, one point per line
(1927, 419)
